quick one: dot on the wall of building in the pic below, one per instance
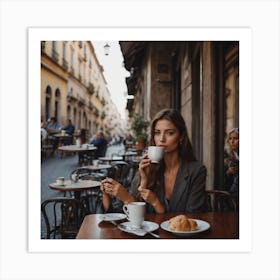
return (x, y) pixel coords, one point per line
(72, 68)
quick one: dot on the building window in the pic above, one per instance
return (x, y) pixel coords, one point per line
(54, 51)
(72, 62)
(64, 61)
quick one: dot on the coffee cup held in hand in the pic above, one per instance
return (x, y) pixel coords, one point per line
(135, 212)
(155, 153)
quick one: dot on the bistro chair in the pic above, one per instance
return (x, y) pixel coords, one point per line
(63, 217)
(219, 201)
(90, 199)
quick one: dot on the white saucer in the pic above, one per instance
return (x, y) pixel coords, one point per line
(146, 227)
(113, 217)
(63, 184)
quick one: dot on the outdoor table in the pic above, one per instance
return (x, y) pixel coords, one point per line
(110, 159)
(76, 187)
(62, 138)
(97, 167)
(127, 154)
(75, 148)
(223, 225)
(84, 148)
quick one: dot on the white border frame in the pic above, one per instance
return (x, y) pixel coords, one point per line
(243, 35)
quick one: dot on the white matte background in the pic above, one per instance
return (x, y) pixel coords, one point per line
(262, 262)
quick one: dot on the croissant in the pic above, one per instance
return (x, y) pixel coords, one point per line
(182, 223)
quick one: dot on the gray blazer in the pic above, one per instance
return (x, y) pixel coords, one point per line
(189, 190)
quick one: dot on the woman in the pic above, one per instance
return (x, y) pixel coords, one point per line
(232, 163)
(177, 183)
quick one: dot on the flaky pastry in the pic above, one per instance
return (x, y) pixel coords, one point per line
(182, 223)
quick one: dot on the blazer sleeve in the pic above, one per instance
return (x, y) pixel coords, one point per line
(197, 196)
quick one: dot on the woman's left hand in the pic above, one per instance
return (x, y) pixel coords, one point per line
(114, 188)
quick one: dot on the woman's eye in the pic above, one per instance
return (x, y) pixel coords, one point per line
(157, 133)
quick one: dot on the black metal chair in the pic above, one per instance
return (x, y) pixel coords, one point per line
(219, 201)
(63, 217)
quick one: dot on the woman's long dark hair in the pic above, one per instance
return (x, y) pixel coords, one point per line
(185, 148)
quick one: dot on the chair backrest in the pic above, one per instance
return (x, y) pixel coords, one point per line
(219, 201)
(120, 171)
(62, 216)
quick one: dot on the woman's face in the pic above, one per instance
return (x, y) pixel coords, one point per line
(233, 140)
(166, 135)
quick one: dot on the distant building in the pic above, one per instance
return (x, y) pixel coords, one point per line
(73, 86)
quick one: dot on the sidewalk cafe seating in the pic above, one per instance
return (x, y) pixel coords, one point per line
(63, 217)
(220, 201)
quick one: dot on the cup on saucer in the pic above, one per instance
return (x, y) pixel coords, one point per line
(155, 153)
(60, 180)
(135, 212)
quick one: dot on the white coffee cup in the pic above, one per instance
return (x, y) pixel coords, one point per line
(155, 153)
(95, 162)
(135, 212)
(60, 180)
(63, 132)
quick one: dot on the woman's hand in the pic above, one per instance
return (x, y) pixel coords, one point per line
(144, 169)
(151, 198)
(114, 188)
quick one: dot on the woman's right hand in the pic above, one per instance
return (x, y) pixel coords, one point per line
(144, 169)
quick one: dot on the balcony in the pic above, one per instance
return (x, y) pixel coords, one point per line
(81, 101)
(90, 105)
(96, 112)
(91, 88)
(64, 64)
(71, 97)
(103, 102)
(54, 55)
(103, 115)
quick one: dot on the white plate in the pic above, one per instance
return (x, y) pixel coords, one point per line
(146, 227)
(113, 217)
(201, 226)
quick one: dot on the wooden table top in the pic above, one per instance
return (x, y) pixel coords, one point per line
(74, 148)
(223, 225)
(78, 186)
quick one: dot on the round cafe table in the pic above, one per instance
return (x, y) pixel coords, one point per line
(110, 159)
(76, 187)
(96, 167)
(75, 148)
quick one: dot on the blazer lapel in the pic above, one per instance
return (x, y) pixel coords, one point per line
(180, 186)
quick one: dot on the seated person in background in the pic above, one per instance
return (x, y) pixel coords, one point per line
(44, 133)
(101, 143)
(231, 164)
(53, 126)
(69, 127)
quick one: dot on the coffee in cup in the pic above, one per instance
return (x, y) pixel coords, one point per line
(135, 212)
(60, 180)
(155, 153)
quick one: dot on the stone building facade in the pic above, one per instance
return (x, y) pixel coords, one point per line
(200, 79)
(73, 87)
